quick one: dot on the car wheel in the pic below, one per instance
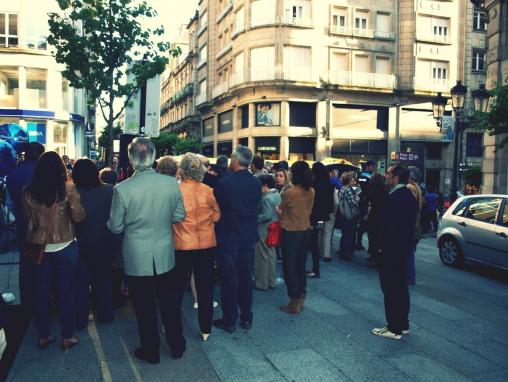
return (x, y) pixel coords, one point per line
(450, 252)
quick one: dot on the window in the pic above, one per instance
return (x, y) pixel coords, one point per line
(208, 127)
(37, 29)
(338, 20)
(362, 64)
(340, 62)
(297, 65)
(434, 150)
(8, 29)
(383, 65)
(296, 11)
(440, 31)
(262, 63)
(478, 60)
(65, 94)
(262, 12)
(461, 207)
(59, 133)
(9, 87)
(504, 217)
(240, 20)
(479, 21)
(244, 111)
(361, 19)
(36, 88)
(202, 87)
(474, 145)
(302, 114)
(203, 53)
(439, 73)
(484, 209)
(226, 122)
(383, 24)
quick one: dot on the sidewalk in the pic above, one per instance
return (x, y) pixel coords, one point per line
(458, 333)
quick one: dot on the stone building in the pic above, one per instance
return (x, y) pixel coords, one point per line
(308, 79)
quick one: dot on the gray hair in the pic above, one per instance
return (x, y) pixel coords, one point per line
(141, 153)
(414, 174)
(192, 167)
(243, 155)
(167, 166)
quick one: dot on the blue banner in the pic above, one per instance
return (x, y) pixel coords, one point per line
(36, 132)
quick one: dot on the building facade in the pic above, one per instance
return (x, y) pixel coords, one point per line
(33, 93)
(178, 111)
(495, 162)
(309, 79)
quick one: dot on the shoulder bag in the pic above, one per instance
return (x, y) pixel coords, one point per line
(34, 252)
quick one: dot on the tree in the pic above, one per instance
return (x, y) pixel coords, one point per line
(187, 145)
(103, 138)
(495, 121)
(164, 143)
(100, 42)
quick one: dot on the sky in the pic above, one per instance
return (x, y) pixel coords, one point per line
(172, 14)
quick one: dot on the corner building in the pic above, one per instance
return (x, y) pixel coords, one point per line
(308, 79)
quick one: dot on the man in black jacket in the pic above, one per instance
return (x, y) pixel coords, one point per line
(239, 197)
(398, 226)
(3, 314)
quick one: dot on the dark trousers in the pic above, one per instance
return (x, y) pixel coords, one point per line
(347, 239)
(26, 284)
(235, 263)
(314, 246)
(94, 279)
(61, 264)
(146, 292)
(294, 253)
(200, 262)
(392, 275)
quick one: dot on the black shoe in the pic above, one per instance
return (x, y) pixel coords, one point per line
(327, 259)
(345, 258)
(219, 324)
(360, 248)
(177, 354)
(246, 324)
(141, 355)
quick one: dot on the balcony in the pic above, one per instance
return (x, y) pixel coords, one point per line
(298, 73)
(225, 11)
(202, 28)
(432, 84)
(219, 90)
(201, 98)
(438, 39)
(224, 50)
(366, 33)
(262, 21)
(262, 73)
(342, 30)
(367, 80)
(238, 30)
(298, 21)
(236, 78)
(385, 35)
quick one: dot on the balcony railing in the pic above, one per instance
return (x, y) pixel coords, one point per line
(385, 35)
(224, 50)
(262, 73)
(236, 78)
(219, 90)
(434, 38)
(225, 11)
(338, 29)
(200, 98)
(261, 21)
(368, 80)
(300, 21)
(360, 32)
(298, 73)
(432, 84)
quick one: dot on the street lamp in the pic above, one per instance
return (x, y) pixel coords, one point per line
(481, 98)
(458, 93)
(438, 108)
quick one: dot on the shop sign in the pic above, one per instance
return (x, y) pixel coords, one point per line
(267, 148)
(36, 132)
(404, 156)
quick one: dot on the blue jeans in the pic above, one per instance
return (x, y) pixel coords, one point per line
(347, 240)
(235, 267)
(61, 264)
(411, 266)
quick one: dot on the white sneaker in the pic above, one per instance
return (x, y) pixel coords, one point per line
(8, 297)
(215, 304)
(405, 332)
(386, 333)
(195, 305)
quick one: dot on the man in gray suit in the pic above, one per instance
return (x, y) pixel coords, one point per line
(144, 209)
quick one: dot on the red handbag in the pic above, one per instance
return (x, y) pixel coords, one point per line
(274, 236)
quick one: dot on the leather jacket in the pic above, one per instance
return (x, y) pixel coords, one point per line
(38, 217)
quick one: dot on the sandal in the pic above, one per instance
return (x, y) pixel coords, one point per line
(69, 342)
(43, 343)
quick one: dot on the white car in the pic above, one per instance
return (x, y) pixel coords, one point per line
(475, 227)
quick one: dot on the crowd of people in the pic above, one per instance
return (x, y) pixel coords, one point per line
(178, 222)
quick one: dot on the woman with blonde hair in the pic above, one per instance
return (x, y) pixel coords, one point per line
(194, 240)
(282, 182)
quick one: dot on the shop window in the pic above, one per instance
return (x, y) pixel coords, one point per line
(208, 150)
(360, 118)
(268, 114)
(244, 110)
(59, 134)
(434, 150)
(225, 148)
(302, 114)
(226, 122)
(8, 29)
(474, 145)
(36, 88)
(208, 127)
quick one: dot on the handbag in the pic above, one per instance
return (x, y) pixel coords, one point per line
(33, 252)
(274, 235)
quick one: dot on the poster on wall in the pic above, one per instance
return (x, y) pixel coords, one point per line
(268, 114)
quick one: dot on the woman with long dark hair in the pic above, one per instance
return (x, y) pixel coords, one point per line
(321, 210)
(51, 205)
(95, 242)
(294, 214)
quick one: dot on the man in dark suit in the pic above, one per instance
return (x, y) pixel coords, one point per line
(239, 198)
(398, 222)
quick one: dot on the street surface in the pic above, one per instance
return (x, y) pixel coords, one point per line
(459, 332)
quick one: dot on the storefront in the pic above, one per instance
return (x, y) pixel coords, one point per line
(225, 148)
(358, 151)
(208, 150)
(268, 147)
(302, 148)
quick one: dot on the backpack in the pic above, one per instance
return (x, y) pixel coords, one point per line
(346, 210)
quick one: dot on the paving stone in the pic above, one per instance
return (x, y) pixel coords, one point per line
(422, 367)
(494, 376)
(305, 365)
(491, 350)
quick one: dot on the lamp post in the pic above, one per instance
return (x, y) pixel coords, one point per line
(481, 98)
(438, 108)
(458, 93)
